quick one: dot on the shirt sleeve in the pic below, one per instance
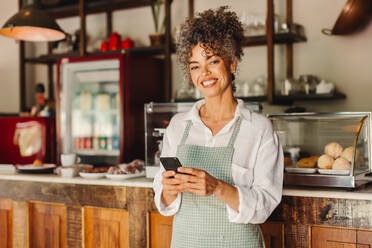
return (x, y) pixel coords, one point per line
(258, 201)
(168, 150)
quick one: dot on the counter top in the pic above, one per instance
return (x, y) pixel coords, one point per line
(50, 178)
(362, 193)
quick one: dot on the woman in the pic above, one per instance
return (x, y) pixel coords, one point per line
(232, 171)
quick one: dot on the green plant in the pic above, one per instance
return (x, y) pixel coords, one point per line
(156, 6)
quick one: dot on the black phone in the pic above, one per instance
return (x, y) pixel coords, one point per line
(170, 163)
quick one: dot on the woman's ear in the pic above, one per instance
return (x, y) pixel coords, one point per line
(233, 65)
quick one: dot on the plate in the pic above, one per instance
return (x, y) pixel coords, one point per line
(30, 168)
(91, 175)
(300, 170)
(333, 172)
(119, 177)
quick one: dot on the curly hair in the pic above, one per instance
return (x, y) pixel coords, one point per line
(218, 31)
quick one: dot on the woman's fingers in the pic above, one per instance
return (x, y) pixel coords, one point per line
(188, 170)
(168, 174)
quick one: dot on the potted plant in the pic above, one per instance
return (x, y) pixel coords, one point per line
(158, 37)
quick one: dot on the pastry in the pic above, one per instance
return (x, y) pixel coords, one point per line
(37, 162)
(287, 161)
(306, 163)
(341, 164)
(315, 158)
(333, 149)
(325, 162)
(348, 153)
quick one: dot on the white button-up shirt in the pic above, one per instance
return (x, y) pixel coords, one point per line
(257, 164)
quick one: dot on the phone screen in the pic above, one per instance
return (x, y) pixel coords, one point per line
(170, 163)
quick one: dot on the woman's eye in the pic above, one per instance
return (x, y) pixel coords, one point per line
(193, 68)
(215, 61)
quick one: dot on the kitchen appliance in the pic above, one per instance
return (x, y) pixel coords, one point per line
(311, 132)
(25, 139)
(157, 117)
(100, 105)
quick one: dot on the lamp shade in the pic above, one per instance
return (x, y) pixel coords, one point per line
(32, 24)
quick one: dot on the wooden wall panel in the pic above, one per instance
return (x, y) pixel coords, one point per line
(6, 223)
(273, 233)
(47, 225)
(159, 230)
(105, 227)
(332, 237)
(20, 224)
(74, 227)
(364, 238)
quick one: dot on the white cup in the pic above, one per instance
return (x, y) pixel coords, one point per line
(69, 159)
(68, 172)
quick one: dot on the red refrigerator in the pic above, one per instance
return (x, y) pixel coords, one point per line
(100, 105)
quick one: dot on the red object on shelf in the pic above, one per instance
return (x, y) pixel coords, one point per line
(104, 46)
(114, 41)
(127, 43)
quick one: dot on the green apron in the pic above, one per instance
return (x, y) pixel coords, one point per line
(202, 221)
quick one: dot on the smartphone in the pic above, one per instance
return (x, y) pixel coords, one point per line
(170, 163)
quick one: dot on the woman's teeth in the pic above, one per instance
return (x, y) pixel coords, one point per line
(206, 83)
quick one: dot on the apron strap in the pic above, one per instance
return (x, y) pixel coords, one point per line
(235, 132)
(186, 132)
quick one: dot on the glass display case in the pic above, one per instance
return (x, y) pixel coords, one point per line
(325, 149)
(157, 117)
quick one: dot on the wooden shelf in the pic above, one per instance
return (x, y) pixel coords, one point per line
(283, 100)
(335, 96)
(288, 100)
(280, 38)
(53, 58)
(95, 6)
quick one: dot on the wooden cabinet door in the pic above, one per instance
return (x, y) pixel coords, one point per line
(364, 239)
(159, 230)
(273, 234)
(48, 225)
(105, 227)
(6, 223)
(332, 237)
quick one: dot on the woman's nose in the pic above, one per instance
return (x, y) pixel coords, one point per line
(205, 71)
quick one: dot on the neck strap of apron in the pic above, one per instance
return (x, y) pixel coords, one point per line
(232, 138)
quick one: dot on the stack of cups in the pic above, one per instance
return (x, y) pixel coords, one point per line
(69, 160)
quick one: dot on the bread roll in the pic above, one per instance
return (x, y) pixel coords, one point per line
(341, 164)
(325, 162)
(315, 158)
(333, 149)
(348, 153)
(306, 163)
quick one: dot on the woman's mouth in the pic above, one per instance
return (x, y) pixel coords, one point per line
(209, 83)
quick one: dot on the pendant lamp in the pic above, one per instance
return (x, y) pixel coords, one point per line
(32, 24)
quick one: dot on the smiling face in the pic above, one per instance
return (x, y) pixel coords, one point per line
(210, 73)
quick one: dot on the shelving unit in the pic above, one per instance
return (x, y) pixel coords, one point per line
(81, 9)
(85, 7)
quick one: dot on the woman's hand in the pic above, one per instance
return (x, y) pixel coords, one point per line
(201, 183)
(171, 187)
(197, 181)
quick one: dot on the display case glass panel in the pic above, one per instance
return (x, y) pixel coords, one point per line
(344, 137)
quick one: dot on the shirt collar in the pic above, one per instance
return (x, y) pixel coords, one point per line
(240, 111)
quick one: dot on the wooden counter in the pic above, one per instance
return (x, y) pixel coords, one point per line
(79, 212)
